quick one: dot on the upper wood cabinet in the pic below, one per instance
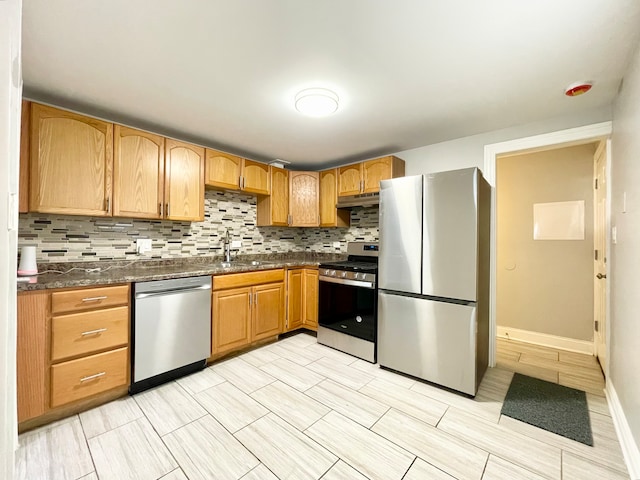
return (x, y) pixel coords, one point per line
(23, 206)
(71, 163)
(304, 199)
(138, 167)
(184, 181)
(231, 172)
(364, 177)
(273, 210)
(330, 216)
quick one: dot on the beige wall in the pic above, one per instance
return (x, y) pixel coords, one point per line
(544, 286)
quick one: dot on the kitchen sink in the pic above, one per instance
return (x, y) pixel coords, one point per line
(255, 263)
(240, 263)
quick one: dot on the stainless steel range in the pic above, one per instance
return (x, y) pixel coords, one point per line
(347, 306)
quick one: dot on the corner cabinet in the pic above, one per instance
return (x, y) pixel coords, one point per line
(138, 174)
(302, 299)
(330, 216)
(365, 177)
(71, 163)
(274, 209)
(245, 308)
(184, 181)
(304, 199)
(231, 172)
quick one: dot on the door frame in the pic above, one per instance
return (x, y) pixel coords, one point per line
(562, 138)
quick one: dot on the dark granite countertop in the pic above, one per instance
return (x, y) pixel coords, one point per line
(79, 274)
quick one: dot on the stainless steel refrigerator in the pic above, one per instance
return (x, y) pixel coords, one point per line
(433, 278)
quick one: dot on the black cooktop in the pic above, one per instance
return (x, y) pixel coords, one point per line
(352, 266)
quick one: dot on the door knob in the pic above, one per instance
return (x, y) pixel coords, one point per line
(600, 276)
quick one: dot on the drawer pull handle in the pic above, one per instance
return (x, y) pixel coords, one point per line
(94, 299)
(94, 332)
(91, 377)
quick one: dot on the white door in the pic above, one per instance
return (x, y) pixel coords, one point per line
(600, 256)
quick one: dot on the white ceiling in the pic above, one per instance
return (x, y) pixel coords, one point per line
(408, 72)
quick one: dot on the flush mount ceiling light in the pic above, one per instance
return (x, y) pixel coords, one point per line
(316, 102)
(577, 88)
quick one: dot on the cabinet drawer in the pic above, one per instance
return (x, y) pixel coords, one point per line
(87, 376)
(87, 332)
(249, 279)
(89, 298)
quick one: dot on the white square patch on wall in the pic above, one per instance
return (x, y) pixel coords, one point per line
(558, 220)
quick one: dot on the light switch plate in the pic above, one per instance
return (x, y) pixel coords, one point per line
(143, 245)
(236, 243)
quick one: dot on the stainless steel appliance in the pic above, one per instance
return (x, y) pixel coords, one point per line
(171, 332)
(347, 304)
(434, 277)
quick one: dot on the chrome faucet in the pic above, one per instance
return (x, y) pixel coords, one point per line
(227, 247)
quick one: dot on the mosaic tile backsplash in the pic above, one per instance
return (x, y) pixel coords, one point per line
(63, 238)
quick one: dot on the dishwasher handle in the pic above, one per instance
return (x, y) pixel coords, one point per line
(171, 291)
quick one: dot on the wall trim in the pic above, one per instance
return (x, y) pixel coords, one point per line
(554, 341)
(623, 430)
(561, 138)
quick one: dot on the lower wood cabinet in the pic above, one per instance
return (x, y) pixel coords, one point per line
(246, 307)
(302, 299)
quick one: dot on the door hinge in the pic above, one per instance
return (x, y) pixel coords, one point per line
(595, 257)
(596, 326)
(596, 182)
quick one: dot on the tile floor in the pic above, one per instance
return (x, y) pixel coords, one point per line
(298, 410)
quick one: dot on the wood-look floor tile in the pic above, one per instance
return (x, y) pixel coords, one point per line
(294, 375)
(581, 382)
(244, 376)
(343, 374)
(605, 450)
(581, 359)
(205, 450)
(350, 403)
(458, 458)
(369, 453)
(522, 347)
(57, 451)
(578, 468)
(529, 370)
(259, 357)
(131, 451)
(260, 473)
(375, 370)
(295, 354)
(332, 354)
(590, 372)
(177, 474)
(342, 471)
(199, 381)
(230, 406)
(284, 450)
(290, 404)
(487, 408)
(421, 470)
(500, 469)
(495, 385)
(408, 401)
(109, 416)
(525, 451)
(303, 339)
(169, 407)
(598, 404)
(93, 476)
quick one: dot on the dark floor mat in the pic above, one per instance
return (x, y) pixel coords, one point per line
(553, 407)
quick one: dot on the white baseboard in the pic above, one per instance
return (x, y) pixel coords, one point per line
(562, 343)
(625, 437)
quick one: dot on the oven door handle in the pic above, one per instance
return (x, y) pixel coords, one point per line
(345, 281)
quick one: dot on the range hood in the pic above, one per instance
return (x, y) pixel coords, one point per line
(362, 200)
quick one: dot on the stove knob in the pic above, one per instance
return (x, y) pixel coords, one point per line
(332, 273)
(326, 272)
(359, 276)
(343, 274)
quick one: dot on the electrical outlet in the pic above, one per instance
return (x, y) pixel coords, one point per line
(143, 245)
(236, 243)
(336, 244)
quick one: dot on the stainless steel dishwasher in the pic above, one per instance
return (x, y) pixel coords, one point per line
(171, 330)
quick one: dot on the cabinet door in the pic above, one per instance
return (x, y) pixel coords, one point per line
(304, 199)
(255, 177)
(184, 181)
(23, 206)
(231, 319)
(310, 313)
(349, 181)
(274, 209)
(32, 361)
(138, 173)
(373, 171)
(294, 299)
(223, 170)
(71, 163)
(267, 311)
(330, 216)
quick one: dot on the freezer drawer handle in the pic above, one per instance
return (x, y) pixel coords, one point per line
(93, 332)
(94, 299)
(93, 377)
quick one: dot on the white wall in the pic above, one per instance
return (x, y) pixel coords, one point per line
(10, 97)
(625, 254)
(469, 151)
